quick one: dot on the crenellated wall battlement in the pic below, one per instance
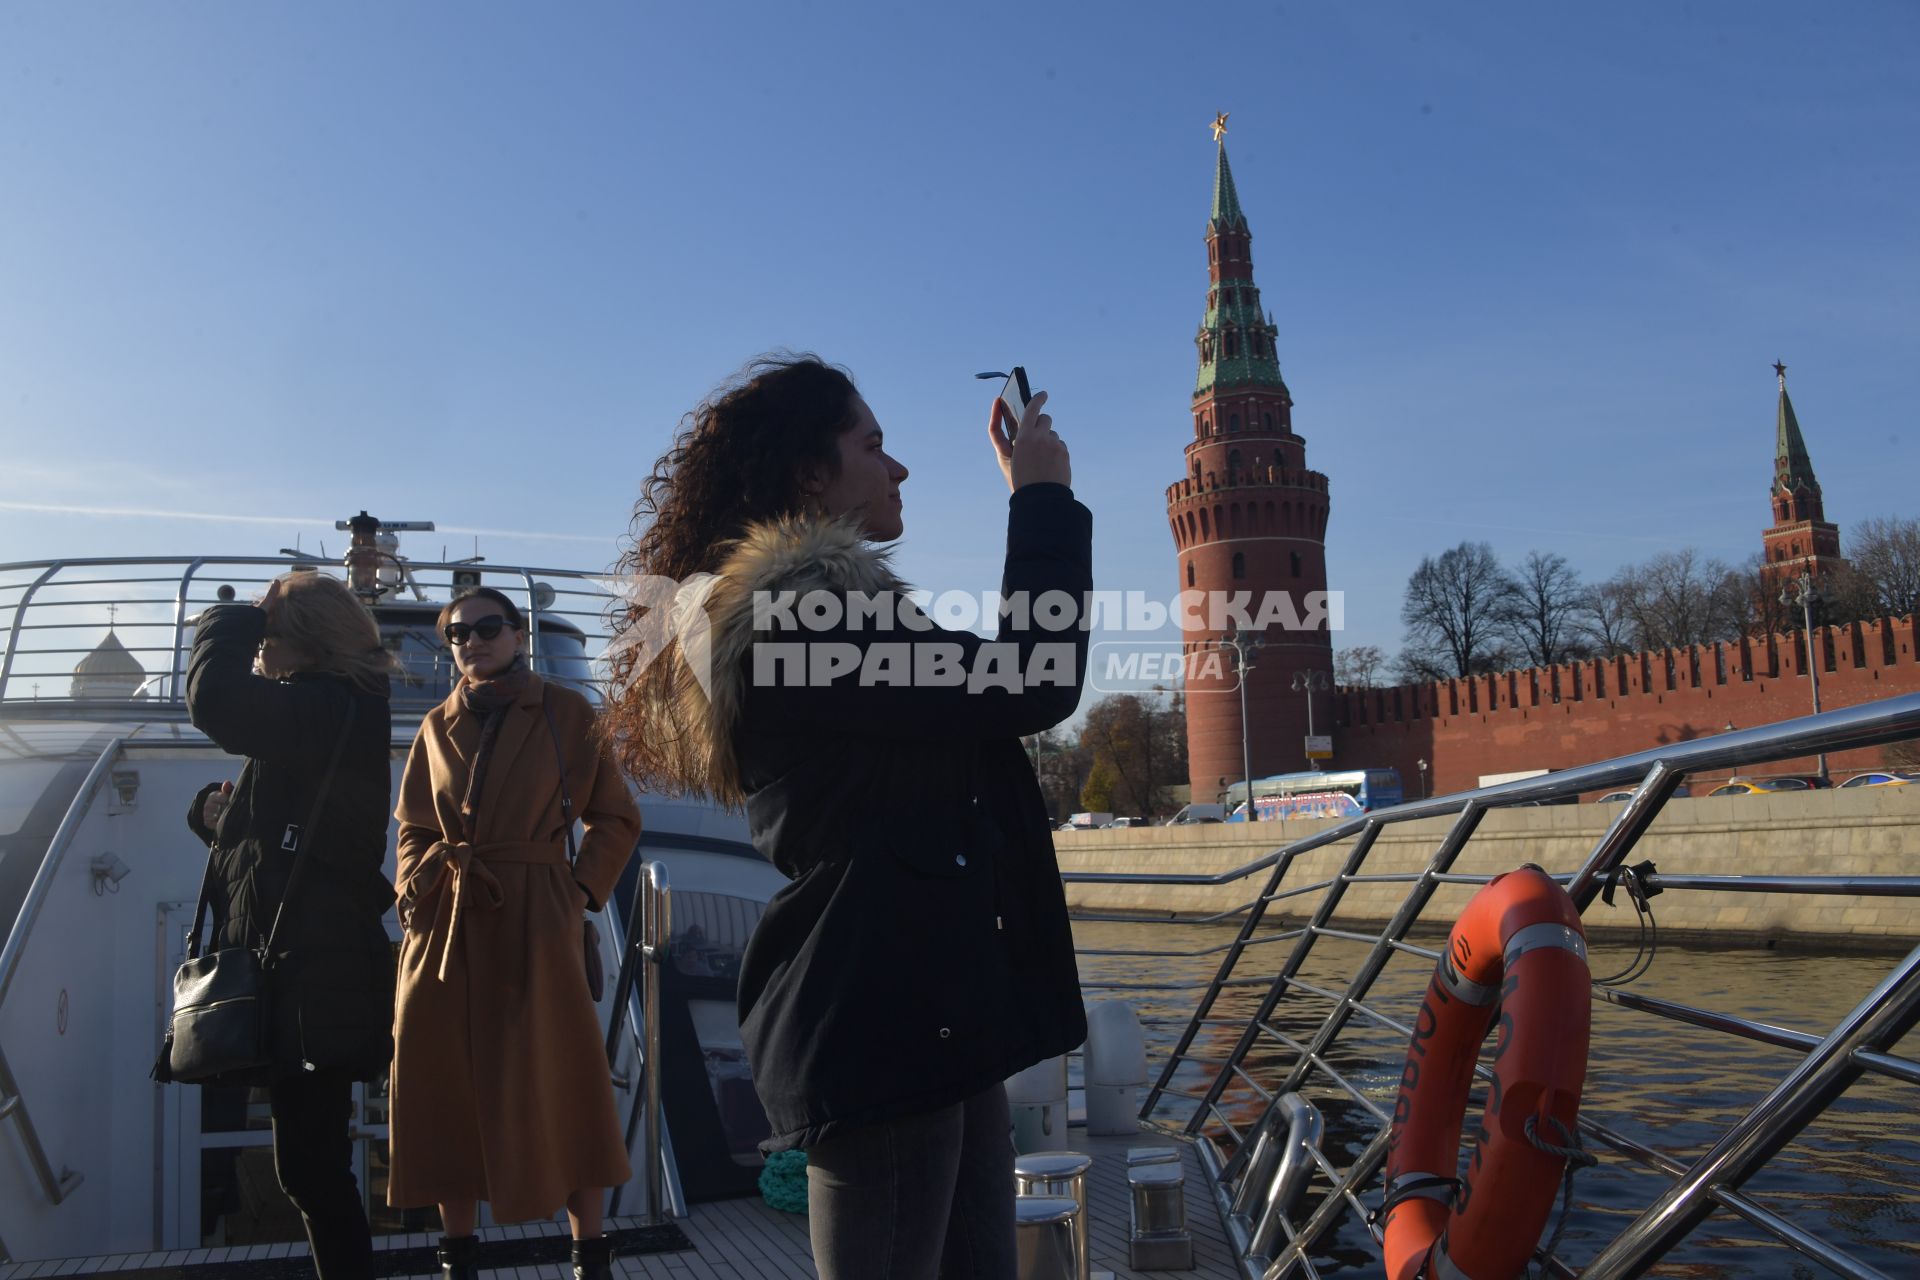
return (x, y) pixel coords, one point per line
(1576, 712)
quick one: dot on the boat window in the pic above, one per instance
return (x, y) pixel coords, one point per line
(710, 932)
(426, 668)
(563, 657)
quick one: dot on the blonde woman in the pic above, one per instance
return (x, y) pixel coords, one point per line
(274, 682)
(500, 1084)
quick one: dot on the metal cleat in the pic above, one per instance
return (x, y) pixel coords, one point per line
(1064, 1174)
(1157, 1237)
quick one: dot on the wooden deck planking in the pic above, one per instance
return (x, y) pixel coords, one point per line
(761, 1243)
(749, 1240)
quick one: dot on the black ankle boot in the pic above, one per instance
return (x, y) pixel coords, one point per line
(457, 1257)
(592, 1259)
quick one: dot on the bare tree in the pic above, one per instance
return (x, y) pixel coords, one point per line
(1607, 619)
(1420, 666)
(1886, 554)
(1452, 612)
(1677, 598)
(1758, 597)
(1543, 613)
(1358, 667)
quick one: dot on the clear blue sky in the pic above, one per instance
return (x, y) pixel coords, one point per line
(472, 262)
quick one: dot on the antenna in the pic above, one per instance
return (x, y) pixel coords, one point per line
(365, 555)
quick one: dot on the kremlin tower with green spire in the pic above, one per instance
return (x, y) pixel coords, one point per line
(1249, 520)
(1800, 540)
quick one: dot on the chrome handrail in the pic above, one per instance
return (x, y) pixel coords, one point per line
(56, 1186)
(33, 591)
(63, 837)
(19, 615)
(1878, 1022)
(665, 1196)
(656, 938)
(1868, 725)
(1861, 1043)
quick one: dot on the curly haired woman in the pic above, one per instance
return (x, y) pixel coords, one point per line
(922, 952)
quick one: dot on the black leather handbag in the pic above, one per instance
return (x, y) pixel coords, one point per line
(589, 932)
(222, 1000)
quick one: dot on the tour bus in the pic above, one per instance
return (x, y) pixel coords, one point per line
(1316, 795)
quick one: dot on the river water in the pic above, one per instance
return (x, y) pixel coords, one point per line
(1852, 1178)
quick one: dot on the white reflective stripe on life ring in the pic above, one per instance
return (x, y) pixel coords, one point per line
(1463, 989)
(1536, 937)
(1443, 1268)
(1441, 1187)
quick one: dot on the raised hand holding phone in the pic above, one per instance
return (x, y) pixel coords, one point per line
(1028, 450)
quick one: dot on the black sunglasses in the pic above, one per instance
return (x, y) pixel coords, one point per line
(487, 628)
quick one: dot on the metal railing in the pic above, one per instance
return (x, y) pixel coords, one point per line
(637, 1010)
(1268, 1067)
(56, 1186)
(57, 614)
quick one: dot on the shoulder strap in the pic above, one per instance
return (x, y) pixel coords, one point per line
(206, 877)
(313, 821)
(566, 801)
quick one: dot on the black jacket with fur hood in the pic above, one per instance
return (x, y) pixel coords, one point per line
(922, 952)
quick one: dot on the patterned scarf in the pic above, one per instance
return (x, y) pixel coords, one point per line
(488, 699)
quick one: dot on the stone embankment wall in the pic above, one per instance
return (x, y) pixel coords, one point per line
(1873, 831)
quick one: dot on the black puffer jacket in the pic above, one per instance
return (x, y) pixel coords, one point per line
(923, 951)
(332, 996)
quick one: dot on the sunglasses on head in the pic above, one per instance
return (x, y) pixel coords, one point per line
(487, 628)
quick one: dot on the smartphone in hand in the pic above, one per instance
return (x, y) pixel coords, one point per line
(1015, 396)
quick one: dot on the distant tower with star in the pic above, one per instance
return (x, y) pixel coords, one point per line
(1800, 540)
(1247, 516)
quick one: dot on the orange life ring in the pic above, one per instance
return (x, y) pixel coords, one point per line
(1518, 947)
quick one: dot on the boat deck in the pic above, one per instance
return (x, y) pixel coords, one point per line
(732, 1240)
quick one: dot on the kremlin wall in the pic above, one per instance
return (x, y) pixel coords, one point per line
(1580, 712)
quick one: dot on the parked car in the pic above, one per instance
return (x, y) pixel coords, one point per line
(1760, 786)
(1613, 797)
(1881, 778)
(1129, 822)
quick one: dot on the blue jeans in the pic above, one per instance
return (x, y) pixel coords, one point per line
(917, 1198)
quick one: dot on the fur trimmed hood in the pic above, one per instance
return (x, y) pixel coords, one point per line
(793, 553)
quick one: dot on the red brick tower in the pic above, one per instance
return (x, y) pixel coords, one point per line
(1248, 517)
(1801, 540)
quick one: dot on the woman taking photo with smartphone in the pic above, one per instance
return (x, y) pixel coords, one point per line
(922, 953)
(288, 683)
(500, 1084)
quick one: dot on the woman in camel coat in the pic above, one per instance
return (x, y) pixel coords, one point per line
(500, 1083)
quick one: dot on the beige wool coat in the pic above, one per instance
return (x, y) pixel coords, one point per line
(500, 1089)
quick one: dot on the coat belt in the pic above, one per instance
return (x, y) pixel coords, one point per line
(470, 885)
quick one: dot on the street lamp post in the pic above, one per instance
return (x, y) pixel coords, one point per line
(1801, 591)
(1310, 680)
(1421, 765)
(1244, 647)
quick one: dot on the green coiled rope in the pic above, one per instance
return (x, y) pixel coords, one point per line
(783, 1183)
